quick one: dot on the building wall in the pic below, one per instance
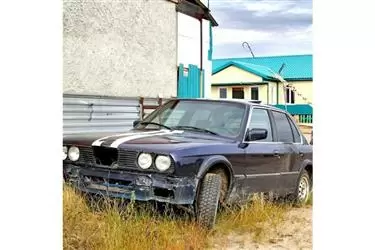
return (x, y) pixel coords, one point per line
(189, 47)
(272, 93)
(120, 48)
(234, 75)
(303, 87)
(215, 91)
(188, 40)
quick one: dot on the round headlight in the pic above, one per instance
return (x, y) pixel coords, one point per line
(144, 160)
(162, 162)
(65, 152)
(73, 153)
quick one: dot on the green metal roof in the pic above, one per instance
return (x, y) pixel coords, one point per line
(297, 67)
(259, 70)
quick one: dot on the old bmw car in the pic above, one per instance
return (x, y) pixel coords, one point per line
(198, 153)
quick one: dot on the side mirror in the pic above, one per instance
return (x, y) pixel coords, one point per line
(256, 134)
(136, 122)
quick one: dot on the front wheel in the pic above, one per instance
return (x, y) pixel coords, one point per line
(208, 200)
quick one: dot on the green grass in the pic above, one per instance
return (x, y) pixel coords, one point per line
(110, 225)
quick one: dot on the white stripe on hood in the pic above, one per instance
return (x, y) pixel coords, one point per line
(100, 141)
(119, 141)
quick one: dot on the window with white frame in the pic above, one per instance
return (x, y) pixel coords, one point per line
(223, 92)
(290, 96)
(254, 93)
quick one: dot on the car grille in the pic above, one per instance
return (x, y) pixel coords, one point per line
(108, 156)
(127, 159)
(105, 156)
(86, 155)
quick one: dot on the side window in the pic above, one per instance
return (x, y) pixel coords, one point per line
(296, 134)
(283, 128)
(260, 119)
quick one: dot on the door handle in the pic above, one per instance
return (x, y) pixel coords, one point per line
(301, 154)
(276, 154)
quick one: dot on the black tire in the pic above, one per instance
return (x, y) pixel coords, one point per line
(208, 200)
(224, 185)
(303, 189)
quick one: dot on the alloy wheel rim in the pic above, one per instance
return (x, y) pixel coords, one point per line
(303, 189)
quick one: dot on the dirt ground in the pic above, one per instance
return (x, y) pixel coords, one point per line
(294, 233)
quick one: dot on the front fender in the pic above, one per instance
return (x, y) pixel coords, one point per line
(211, 161)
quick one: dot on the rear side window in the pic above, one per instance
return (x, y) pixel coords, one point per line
(296, 134)
(283, 128)
(260, 119)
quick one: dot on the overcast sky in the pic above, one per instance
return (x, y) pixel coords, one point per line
(271, 27)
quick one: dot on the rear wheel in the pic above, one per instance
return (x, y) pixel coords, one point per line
(303, 189)
(208, 200)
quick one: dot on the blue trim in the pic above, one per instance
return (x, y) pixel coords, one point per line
(211, 47)
(296, 109)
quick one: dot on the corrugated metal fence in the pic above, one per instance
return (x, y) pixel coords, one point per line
(91, 114)
(82, 114)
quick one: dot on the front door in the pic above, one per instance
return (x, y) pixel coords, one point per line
(264, 158)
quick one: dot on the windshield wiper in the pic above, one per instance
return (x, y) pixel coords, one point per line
(195, 128)
(155, 123)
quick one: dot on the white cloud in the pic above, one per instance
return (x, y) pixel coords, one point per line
(224, 36)
(287, 29)
(299, 10)
(221, 36)
(302, 35)
(267, 6)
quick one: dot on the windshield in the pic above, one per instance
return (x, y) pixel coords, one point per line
(221, 118)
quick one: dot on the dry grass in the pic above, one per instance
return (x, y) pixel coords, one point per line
(110, 226)
(255, 218)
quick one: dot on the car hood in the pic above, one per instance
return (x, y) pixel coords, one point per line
(145, 139)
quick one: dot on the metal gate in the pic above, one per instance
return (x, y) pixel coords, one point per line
(190, 82)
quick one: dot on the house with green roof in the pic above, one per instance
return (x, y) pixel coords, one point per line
(257, 79)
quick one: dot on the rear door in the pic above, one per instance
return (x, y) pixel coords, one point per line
(289, 151)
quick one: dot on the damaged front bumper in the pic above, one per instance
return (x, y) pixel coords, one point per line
(132, 185)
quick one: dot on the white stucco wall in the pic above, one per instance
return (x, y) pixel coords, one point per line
(120, 47)
(188, 40)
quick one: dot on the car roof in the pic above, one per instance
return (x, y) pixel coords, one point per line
(243, 101)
